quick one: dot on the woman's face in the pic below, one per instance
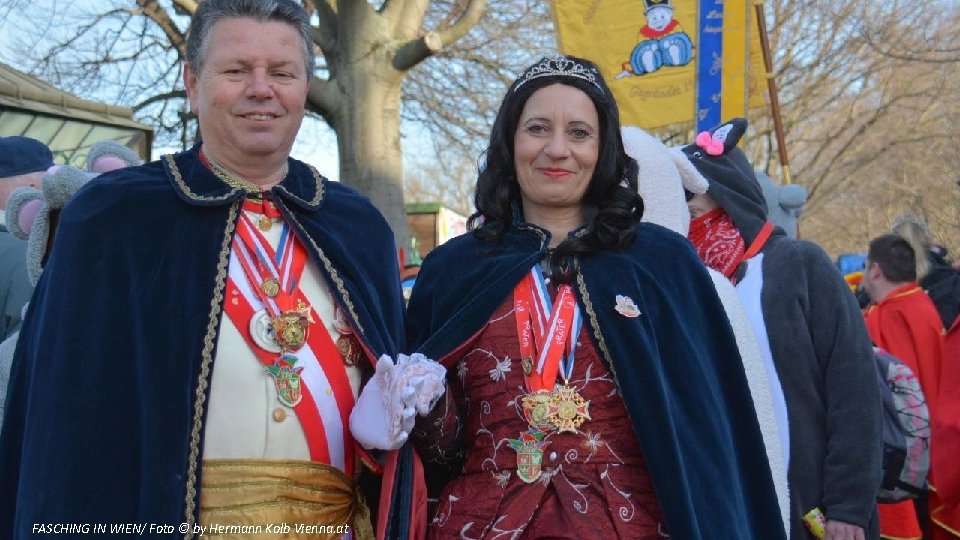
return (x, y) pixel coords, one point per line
(700, 204)
(556, 147)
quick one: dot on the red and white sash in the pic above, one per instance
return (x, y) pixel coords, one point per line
(328, 398)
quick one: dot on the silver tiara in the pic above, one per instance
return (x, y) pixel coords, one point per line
(559, 66)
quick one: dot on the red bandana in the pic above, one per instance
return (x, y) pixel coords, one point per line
(717, 240)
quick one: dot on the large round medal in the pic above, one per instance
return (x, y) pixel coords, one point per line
(536, 408)
(261, 331)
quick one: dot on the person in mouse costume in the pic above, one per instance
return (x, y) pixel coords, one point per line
(23, 161)
(802, 312)
(32, 215)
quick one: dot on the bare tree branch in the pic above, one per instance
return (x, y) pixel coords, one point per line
(153, 11)
(325, 33)
(166, 96)
(324, 99)
(430, 43)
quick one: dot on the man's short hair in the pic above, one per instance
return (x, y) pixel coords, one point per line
(211, 11)
(895, 257)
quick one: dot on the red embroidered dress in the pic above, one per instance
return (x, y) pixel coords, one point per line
(594, 482)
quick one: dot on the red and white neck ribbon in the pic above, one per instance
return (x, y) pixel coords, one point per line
(547, 330)
(260, 263)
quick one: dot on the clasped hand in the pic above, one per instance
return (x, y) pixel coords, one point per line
(386, 409)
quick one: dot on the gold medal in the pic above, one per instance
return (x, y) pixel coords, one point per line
(567, 410)
(349, 350)
(536, 408)
(265, 223)
(290, 329)
(270, 287)
(527, 364)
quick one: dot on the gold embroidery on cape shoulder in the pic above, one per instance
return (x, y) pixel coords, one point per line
(178, 178)
(536, 230)
(206, 356)
(317, 192)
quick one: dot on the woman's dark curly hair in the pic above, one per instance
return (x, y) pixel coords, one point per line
(611, 204)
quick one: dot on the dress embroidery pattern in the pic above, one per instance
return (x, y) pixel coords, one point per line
(590, 482)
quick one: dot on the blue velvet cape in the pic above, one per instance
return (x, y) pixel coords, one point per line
(109, 386)
(677, 367)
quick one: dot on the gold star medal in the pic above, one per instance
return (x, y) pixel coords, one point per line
(567, 409)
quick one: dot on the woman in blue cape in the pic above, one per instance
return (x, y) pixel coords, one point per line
(594, 387)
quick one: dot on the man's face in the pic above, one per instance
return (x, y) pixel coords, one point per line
(871, 273)
(10, 183)
(250, 93)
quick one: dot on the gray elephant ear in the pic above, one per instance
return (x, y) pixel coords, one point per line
(19, 199)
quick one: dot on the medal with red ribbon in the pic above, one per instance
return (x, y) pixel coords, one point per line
(274, 280)
(548, 333)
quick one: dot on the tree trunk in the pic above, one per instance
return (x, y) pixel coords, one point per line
(368, 138)
(368, 122)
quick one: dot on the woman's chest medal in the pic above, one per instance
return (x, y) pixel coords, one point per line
(547, 335)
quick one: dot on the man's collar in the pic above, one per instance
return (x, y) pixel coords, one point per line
(196, 184)
(900, 291)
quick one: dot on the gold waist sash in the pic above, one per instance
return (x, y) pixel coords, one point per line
(251, 498)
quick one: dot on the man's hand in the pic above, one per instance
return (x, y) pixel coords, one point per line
(838, 530)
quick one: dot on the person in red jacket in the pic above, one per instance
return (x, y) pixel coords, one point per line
(903, 321)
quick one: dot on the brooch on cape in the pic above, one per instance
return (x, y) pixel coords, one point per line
(626, 307)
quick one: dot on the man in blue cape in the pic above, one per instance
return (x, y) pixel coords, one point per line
(204, 323)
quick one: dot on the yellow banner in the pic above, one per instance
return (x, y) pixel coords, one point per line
(649, 54)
